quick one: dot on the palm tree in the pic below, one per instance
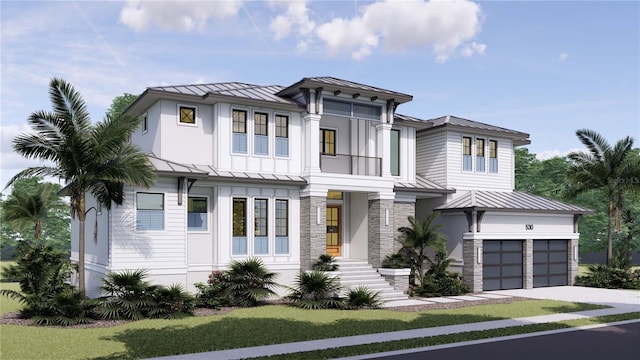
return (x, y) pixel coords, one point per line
(611, 169)
(22, 208)
(91, 158)
(418, 236)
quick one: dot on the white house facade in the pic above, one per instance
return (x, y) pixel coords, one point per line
(325, 165)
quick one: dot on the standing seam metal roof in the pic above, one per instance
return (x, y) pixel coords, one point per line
(242, 90)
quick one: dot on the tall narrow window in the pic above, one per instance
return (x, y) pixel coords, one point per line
(197, 214)
(282, 135)
(261, 133)
(480, 159)
(327, 142)
(187, 115)
(493, 156)
(261, 227)
(239, 241)
(282, 227)
(149, 211)
(145, 124)
(239, 132)
(466, 154)
(395, 152)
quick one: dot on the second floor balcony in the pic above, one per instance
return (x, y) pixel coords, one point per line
(351, 164)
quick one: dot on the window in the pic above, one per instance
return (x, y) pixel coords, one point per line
(187, 115)
(480, 161)
(197, 214)
(334, 195)
(149, 211)
(282, 135)
(352, 110)
(145, 124)
(395, 152)
(466, 154)
(493, 156)
(327, 142)
(239, 242)
(282, 227)
(239, 131)
(261, 226)
(261, 134)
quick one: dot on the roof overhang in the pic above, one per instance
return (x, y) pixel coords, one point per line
(307, 83)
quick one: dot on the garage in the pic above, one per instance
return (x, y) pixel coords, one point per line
(550, 263)
(502, 264)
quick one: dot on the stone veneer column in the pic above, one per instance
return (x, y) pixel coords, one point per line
(380, 231)
(527, 264)
(313, 238)
(472, 268)
(401, 211)
(572, 261)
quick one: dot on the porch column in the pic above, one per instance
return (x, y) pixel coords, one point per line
(380, 230)
(472, 268)
(313, 214)
(401, 211)
(312, 140)
(384, 147)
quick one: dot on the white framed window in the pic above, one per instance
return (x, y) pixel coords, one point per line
(480, 155)
(239, 225)
(493, 156)
(261, 227)
(239, 119)
(282, 226)
(351, 109)
(149, 211)
(187, 115)
(467, 162)
(395, 152)
(144, 124)
(328, 141)
(197, 213)
(261, 133)
(282, 135)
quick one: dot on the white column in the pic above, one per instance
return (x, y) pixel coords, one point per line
(312, 143)
(384, 147)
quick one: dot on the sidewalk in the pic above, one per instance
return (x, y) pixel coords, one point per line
(622, 301)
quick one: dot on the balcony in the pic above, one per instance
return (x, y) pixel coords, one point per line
(351, 164)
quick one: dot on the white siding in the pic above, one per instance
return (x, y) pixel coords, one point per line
(431, 156)
(185, 143)
(514, 223)
(149, 141)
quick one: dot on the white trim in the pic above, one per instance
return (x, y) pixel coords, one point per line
(209, 214)
(195, 114)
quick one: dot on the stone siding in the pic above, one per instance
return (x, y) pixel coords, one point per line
(472, 268)
(312, 235)
(380, 233)
(401, 210)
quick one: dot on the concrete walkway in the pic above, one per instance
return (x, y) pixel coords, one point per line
(622, 301)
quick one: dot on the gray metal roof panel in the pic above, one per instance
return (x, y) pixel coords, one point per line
(423, 184)
(458, 121)
(241, 90)
(340, 83)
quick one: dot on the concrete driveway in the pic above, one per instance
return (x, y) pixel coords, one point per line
(625, 299)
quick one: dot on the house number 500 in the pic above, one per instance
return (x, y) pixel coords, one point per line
(528, 226)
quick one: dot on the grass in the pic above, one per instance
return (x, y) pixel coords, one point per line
(240, 328)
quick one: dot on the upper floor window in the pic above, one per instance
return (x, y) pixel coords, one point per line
(197, 214)
(261, 134)
(493, 156)
(395, 152)
(239, 132)
(352, 110)
(282, 135)
(467, 164)
(145, 124)
(480, 159)
(149, 211)
(327, 142)
(187, 114)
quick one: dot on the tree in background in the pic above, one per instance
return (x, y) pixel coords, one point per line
(613, 170)
(120, 103)
(34, 210)
(96, 159)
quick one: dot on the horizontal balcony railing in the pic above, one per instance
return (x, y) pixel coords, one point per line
(351, 164)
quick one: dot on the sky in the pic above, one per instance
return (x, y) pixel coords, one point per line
(544, 68)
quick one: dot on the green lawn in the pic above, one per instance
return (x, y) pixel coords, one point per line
(240, 328)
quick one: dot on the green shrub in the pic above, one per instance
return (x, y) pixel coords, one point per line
(249, 282)
(447, 284)
(213, 294)
(602, 276)
(67, 308)
(362, 297)
(171, 302)
(129, 295)
(11, 273)
(396, 261)
(325, 262)
(315, 290)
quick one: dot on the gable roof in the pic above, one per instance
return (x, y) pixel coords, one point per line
(510, 201)
(520, 138)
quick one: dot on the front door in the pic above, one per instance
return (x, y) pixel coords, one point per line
(333, 230)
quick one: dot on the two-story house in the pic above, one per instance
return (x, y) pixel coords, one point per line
(321, 166)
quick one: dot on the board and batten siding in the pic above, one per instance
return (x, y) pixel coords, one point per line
(431, 156)
(157, 249)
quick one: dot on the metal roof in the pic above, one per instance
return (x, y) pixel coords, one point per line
(163, 166)
(235, 89)
(511, 201)
(520, 137)
(422, 184)
(331, 82)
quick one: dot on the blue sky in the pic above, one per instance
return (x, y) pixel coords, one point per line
(545, 68)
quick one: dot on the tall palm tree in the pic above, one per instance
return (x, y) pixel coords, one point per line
(23, 209)
(611, 169)
(419, 236)
(91, 158)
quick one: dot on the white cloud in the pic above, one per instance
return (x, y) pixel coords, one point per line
(175, 15)
(563, 56)
(443, 26)
(548, 154)
(295, 18)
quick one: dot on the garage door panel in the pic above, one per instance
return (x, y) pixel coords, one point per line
(491, 284)
(491, 259)
(558, 257)
(491, 271)
(515, 283)
(540, 270)
(558, 245)
(557, 280)
(558, 269)
(502, 264)
(550, 263)
(511, 258)
(540, 257)
(512, 246)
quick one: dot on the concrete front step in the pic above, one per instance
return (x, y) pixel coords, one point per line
(355, 272)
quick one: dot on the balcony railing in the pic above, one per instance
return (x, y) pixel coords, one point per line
(351, 164)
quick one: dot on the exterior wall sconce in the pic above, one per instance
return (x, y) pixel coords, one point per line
(318, 215)
(386, 217)
(575, 253)
(479, 255)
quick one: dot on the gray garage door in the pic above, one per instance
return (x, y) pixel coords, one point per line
(550, 263)
(502, 264)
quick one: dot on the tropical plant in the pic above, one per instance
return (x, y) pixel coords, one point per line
(213, 294)
(326, 262)
(397, 260)
(315, 290)
(418, 237)
(97, 159)
(31, 208)
(249, 282)
(68, 307)
(602, 276)
(128, 295)
(628, 239)
(613, 170)
(171, 302)
(361, 297)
